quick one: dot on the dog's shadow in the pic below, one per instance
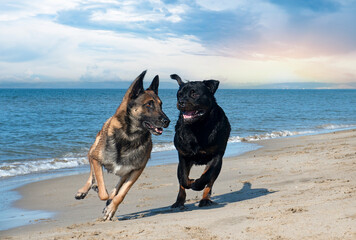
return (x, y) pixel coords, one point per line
(245, 193)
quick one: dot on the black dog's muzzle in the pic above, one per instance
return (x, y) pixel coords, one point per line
(181, 104)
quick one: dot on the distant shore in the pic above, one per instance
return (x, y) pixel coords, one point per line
(293, 188)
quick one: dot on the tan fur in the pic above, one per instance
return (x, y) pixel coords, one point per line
(95, 152)
(122, 146)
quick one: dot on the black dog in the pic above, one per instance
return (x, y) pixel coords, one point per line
(202, 132)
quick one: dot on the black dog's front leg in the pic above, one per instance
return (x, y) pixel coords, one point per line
(180, 198)
(184, 167)
(210, 174)
(184, 181)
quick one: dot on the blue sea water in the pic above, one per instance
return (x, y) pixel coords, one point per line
(47, 132)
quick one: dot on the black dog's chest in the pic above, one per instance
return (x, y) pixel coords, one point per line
(201, 142)
(194, 144)
(200, 139)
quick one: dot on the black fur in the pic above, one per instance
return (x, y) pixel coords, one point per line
(202, 132)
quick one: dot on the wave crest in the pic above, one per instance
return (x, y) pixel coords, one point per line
(335, 126)
(9, 169)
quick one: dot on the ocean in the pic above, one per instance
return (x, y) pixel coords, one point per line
(47, 133)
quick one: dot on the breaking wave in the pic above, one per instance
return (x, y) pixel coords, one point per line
(335, 126)
(161, 147)
(264, 136)
(14, 168)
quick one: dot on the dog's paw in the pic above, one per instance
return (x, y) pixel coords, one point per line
(197, 185)
(179, 205)
(109, 212)
(206, 203)
(108, 202)
(95, 188)
(80, 195)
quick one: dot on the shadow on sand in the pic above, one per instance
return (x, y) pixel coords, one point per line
(245, 193)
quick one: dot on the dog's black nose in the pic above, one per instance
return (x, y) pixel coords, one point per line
(181, 103)
(165, 121)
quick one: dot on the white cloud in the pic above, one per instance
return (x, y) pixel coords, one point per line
(23, 9)
(119, 16)
(277, 34)
(64, 52)
(269, 47)
(128, 12)
(223, 5)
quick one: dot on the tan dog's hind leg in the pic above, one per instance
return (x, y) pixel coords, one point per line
(117, 188)
(110, 210)
(98, 171)
(82, 192)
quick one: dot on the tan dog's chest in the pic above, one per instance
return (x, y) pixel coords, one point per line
(121, 160)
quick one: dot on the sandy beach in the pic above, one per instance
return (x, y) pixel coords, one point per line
(292, 188)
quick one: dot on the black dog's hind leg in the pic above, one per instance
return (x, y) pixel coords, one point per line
(205, 201)
(184, 181)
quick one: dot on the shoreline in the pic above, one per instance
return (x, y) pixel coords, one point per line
(281, 169)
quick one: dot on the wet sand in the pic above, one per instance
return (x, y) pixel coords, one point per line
(292, 188)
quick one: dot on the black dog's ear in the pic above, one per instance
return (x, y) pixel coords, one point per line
(154, 85)
(176, 77)
(212, 85)
(136, 87)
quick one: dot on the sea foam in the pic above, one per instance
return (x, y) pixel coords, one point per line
(14, 168)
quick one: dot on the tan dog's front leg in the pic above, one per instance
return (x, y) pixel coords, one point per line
(98, 172)
(110, 210)
(82, 192)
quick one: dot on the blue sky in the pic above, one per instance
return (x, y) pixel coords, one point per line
(241, 43)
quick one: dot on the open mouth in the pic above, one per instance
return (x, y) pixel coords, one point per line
(154, 130)
(187, 115)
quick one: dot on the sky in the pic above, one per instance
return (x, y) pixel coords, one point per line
(241, 43)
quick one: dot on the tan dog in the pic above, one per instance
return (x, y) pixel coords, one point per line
(123, 146)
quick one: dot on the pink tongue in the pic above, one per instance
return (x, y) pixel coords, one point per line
(159, 130)
(188, 114)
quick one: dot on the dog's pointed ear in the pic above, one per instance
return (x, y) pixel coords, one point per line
(177, 78)
(212, 85)
(136, 87)
(154, 85)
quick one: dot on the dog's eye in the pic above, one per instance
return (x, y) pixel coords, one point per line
(193, 94)
(150, 104)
